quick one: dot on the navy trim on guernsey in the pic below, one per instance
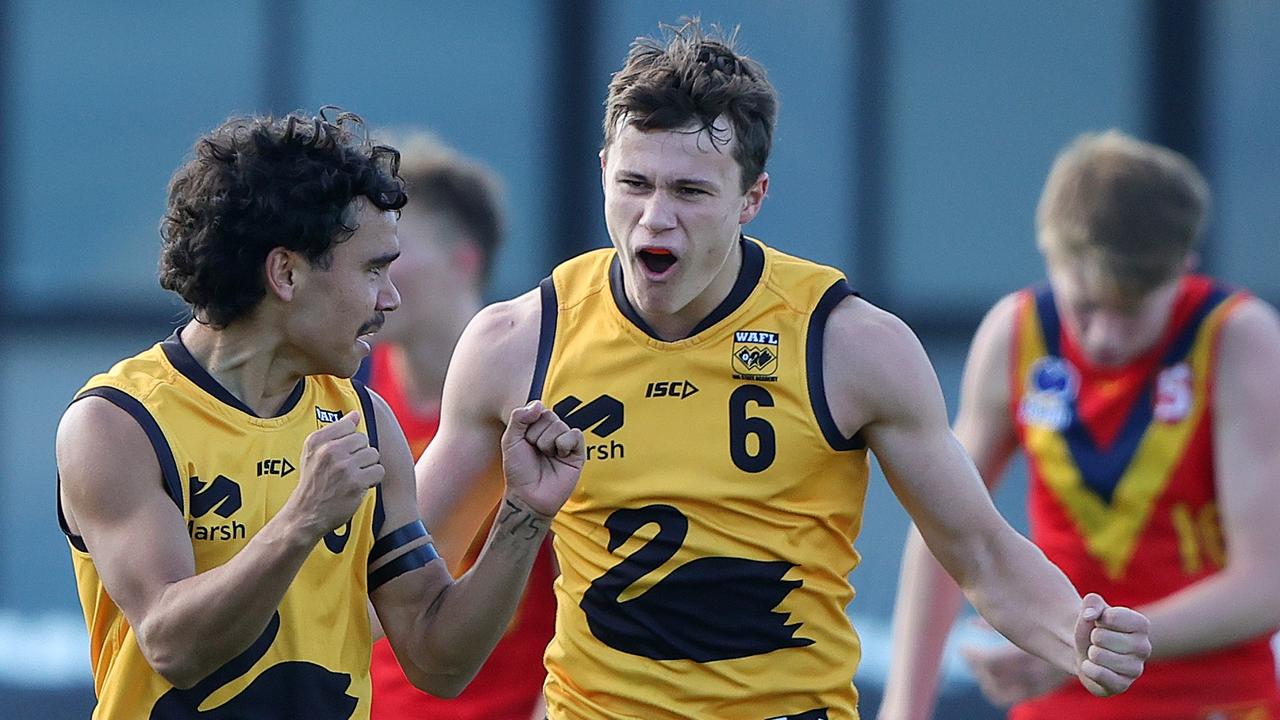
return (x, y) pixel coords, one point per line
(748, 277)
(182, 360)
(397, 539)
(366, 409)
(1101, 469)
(1050, 325)
(546, 337)
(813, 368)
(412, 560)
(814, 714)
(365, 371)
(371, 422)
(76, 541)
(164, 454)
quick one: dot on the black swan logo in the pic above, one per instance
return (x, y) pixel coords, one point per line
(284, 690)
(711, 608)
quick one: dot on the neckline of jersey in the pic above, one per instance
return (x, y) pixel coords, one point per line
(749, 275)
(186, 364)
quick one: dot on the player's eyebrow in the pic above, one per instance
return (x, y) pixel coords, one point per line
(384, 259)
(692, 180)
(696, 182)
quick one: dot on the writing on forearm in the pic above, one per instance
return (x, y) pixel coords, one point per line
(519, 522)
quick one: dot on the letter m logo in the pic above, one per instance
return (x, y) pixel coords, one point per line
(222, 496)
(603, 416)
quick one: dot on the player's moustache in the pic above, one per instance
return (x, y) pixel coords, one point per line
(373, 325)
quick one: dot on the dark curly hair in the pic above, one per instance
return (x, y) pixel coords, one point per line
(258, 183)
(692, 77)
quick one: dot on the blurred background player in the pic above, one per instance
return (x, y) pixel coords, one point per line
(449, 232)
(1144, 398)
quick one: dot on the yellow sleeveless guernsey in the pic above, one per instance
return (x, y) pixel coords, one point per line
(704, 555)
(228, 472)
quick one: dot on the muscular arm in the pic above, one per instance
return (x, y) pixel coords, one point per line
(187, 624)
(442, 643)
(459, 476)
(1238, 603)
(888, 390)
(928, 599)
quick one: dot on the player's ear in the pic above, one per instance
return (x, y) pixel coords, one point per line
(753, 199)
(280, 271)
(467, 257)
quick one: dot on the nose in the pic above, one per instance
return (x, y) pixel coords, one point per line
(388, 295)
(658, 213)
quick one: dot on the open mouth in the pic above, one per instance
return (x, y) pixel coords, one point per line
(657, 260)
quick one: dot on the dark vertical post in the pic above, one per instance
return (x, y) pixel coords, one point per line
(573, 131)
(280, 47)
(870, 127)
(1176, 80)
(7, 20)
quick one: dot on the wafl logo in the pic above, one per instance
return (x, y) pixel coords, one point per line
(1051, 388)
(755, 354)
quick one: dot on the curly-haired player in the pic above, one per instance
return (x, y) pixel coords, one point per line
(233, 502)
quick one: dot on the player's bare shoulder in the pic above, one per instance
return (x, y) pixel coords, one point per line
(1253, 323)
(873, 364)
(495, 357)
(1249, 346)
(989, 351)
(97, 440)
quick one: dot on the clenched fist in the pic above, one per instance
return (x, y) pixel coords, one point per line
(1112, 646)
(542, 458)
(338, 466)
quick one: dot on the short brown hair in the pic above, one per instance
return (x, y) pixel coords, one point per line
(693, 77)
(1137, 207)
(439, 179)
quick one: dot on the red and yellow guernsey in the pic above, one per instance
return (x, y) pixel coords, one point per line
(1123, 495)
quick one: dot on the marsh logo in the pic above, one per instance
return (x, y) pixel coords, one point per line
(222, 498)
(755, 355)
(602, 417)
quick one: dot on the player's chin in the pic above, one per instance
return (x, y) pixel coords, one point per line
(346, 362)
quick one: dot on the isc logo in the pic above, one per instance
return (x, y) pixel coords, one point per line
(671, 388)
(275, 466)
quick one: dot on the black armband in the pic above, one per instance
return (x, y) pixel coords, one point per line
(396, 539)
(412, 560)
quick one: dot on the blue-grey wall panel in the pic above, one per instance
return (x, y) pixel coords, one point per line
(107, 99)
(472, 72)
(1244, 143)
(983, 96)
